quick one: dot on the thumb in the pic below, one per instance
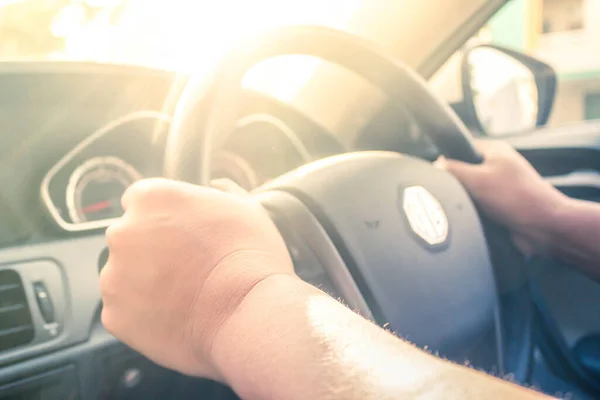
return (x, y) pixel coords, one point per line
(229, 186)
(468, 174)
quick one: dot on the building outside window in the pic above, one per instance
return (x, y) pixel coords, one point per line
(562, 15)
(592, 106)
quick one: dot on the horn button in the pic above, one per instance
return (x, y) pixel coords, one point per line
(412, 240)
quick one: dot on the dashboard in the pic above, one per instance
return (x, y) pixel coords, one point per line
(82, 191)
(73, 137)
(90, 132)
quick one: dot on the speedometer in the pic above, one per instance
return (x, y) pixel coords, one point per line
(95, 188)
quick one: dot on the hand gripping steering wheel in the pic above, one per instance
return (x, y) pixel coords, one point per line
(400, 239)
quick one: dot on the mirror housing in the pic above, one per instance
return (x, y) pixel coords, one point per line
(504, 91)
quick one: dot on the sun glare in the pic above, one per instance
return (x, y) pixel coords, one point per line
(191, 36)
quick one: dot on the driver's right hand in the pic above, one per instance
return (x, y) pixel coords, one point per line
(182, 260)
(508, 189)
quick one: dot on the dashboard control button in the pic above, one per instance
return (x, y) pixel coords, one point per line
(44, 302)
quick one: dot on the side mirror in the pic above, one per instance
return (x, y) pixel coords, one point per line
(506, 92)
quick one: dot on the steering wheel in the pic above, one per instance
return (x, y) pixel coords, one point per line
(400, 239)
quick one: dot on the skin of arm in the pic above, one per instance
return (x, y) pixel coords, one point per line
(573, 233)
(542, 220)
(200, 281)
(289, 340)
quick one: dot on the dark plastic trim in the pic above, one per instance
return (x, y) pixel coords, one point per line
(289, 210)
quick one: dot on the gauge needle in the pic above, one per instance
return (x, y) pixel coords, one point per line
(99, 206)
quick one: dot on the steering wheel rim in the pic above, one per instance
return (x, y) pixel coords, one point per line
(191, 131)
(385, 180)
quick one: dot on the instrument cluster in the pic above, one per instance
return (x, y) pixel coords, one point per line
(83, 190)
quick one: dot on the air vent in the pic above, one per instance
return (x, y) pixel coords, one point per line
(16, 327)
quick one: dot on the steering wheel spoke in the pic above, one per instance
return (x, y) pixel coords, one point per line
(316, 259)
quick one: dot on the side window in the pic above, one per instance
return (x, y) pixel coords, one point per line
(562, 33)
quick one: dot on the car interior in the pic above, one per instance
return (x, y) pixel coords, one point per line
(334, 180)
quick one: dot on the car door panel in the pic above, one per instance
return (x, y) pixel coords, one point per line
(569, 158)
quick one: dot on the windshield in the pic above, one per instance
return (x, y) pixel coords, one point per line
(168, 34)
(181, 35)
(191, 35)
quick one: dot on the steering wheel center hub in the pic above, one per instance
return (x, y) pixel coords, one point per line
(411, 238)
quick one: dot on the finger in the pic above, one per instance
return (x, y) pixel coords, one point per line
(483, 144)
(131, 193)
(141, 188)
(469, 175)
(229, 186)
(490, 147)
(441, 162)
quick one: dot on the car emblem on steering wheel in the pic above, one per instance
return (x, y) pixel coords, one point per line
(425, 215)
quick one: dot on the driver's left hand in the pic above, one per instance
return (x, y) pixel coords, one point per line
(511, 191)
(182, 259)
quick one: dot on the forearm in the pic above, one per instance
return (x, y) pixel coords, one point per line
(289, 340)
(574, 235)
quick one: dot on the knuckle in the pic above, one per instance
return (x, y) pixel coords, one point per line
(106, 285)
(108, 320)
(502, 148)
(145, 187)
(114, 233)
(140, 189)
(154, 189)
(493, 148)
